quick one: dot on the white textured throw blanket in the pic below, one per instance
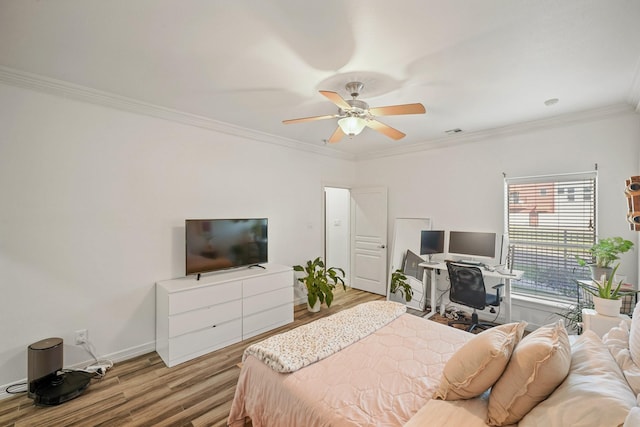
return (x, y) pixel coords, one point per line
(306, 344)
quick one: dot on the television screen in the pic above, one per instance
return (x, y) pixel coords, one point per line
(472, 243)
(217, 244)
(431, 242)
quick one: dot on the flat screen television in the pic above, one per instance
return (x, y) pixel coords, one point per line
(431, 242)
(219, 244)
(472, 244)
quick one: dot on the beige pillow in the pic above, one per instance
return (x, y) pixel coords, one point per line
(538, 365)
(478, 364)
(594, 393)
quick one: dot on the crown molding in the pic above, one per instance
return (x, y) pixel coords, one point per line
(85, 94)
(65, 89)
(519, 128)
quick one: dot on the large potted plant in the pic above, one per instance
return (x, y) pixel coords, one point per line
(399, 287)
(604, 252)
(320, 282)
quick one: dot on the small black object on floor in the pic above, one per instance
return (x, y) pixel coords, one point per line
(60, 387)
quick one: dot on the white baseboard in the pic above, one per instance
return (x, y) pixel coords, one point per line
(116, 357)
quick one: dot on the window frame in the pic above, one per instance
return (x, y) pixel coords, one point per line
(540, 248)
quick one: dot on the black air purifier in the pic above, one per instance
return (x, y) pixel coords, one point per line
(48, 383)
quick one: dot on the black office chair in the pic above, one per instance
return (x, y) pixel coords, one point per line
(467, 288)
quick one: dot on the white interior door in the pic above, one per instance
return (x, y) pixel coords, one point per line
(369, 239)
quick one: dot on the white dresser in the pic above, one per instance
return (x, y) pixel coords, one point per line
(195, 317)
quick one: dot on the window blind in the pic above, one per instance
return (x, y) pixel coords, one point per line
(550, 220)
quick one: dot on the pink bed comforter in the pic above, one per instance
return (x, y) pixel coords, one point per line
(381, 380)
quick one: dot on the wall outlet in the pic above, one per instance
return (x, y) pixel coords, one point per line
(82, 336)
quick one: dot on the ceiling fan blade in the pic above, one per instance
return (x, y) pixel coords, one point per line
(309, 119)
(336, 99)
(385, 129)
(337, 135)
(394, 110)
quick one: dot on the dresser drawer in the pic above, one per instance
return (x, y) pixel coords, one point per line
(266, 301)
(205, 340)
(266, 320)
(266, 283)
(204, 318)
(193, 299)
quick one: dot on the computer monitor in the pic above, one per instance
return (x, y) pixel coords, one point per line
(431, 242)
(472, 244)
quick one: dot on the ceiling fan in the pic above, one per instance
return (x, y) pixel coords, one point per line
(354, 114)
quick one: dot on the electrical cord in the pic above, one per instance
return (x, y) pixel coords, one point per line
(446, 291)
(10, 389)
(99, 367)
(497, 314)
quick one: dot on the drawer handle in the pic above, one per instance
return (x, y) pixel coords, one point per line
(214, 326)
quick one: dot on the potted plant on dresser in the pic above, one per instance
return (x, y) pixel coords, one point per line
(320, 282)
(604, 252)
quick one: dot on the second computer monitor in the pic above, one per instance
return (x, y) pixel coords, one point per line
(431, 242)
(472, 244)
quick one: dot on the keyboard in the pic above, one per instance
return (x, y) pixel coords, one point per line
(468, 262)
(478, 264)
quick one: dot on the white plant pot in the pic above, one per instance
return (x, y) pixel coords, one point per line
(315, 308)
(607, 307)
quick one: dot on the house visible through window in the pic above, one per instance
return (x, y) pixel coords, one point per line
(549, 221)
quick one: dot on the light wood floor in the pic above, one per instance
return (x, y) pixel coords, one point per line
(144, 392)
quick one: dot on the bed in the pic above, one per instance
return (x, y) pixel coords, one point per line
(375, 365)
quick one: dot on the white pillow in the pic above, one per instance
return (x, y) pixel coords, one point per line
(633, 419)
(594, 393)
(617, 341)
(634, 336)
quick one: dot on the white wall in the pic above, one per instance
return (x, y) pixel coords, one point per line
(93, 208)
(461, 186)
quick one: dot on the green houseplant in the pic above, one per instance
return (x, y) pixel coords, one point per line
(607, 294)
(605, 289)
(399, 286)
(573, 315)
(604, 252)
(320, 282)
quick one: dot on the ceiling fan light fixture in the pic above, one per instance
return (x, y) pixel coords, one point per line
(352, 125)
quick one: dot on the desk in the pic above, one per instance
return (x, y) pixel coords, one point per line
(433, 268)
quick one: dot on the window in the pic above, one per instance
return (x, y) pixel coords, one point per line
(550, 220)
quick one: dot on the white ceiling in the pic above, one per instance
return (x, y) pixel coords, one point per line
(475, 65)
